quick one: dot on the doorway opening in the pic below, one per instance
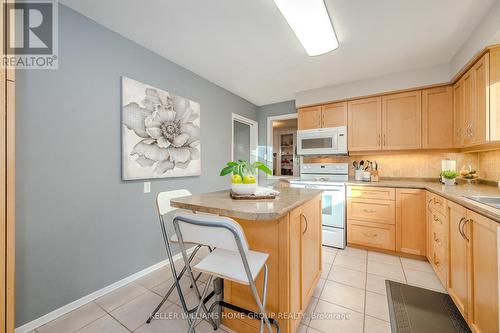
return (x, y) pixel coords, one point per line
(244, 139)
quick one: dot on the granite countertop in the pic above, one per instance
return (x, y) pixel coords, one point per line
(221, 204)
(457, 193)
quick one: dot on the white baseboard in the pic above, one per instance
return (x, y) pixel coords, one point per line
(28, 327)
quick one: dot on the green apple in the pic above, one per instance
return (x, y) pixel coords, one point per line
(249, 179)
(236, 179)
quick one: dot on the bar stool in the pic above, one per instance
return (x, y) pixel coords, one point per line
(163, 207)
(231, 259)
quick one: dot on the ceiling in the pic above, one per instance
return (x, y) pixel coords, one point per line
(248, 48)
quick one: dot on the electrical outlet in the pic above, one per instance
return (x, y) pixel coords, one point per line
(147, 187)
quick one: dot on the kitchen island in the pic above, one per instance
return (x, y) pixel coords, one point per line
(288, 228)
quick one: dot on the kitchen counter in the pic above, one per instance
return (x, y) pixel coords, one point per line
(457, 193)
(220, 203)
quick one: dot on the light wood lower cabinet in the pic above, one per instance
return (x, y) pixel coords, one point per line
(410, 221)
(483, 304)
(459, 261)
(375, 235)
(437, 235)
(371, 217)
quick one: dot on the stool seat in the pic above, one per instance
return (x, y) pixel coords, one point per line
(228, 265)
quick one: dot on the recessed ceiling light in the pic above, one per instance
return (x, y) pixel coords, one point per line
(311, 24)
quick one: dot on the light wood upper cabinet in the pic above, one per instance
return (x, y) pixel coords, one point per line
(410, 221)
(459, 262)
(330, 115)
(364, 124)
(483, 314)
(309, 118)
(480, 120)
(437, 118)
(494, 92)
(458, 114)
(402, 121)
(334, 115)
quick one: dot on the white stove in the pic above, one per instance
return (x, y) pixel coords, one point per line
(331, 178)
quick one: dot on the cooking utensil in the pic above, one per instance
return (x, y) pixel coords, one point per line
(355, 165)
(361, 164)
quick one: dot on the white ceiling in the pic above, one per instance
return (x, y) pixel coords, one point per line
(246, 47)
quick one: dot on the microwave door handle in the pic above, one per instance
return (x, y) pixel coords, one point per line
(336, 141)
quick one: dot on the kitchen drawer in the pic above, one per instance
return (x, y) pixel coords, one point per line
(437, 203)
(380, 211)
(379, 235)
(369, 192)
(440, 263)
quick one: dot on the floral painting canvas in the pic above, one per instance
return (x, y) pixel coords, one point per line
(160, 133)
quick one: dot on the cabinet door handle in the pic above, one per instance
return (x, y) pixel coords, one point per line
(429, 205)
(436, 219)
(307, 223)
(461, 225)
(385, 141)
(369, 210)
(378, 139)
(463, 229)
(369, 235)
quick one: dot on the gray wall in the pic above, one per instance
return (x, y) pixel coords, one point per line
(265, 111)
(79, 227)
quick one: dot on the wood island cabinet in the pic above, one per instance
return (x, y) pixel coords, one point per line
(293, 243)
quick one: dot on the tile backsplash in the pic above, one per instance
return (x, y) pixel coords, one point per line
(425, 165)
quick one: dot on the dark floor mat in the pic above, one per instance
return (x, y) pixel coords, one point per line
(417, 310)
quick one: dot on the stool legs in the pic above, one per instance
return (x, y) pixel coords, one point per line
(262, 310)
(200, 305)
(173, 286)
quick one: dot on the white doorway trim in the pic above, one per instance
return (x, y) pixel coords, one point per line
(269, 148)
(254, 132)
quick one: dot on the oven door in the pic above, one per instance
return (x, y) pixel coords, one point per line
(333, 207)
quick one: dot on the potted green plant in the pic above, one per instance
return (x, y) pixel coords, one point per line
(243, 180)
(449, 177)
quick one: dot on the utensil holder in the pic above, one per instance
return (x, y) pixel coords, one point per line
(358, 175)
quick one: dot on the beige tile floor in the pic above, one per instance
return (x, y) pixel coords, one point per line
(350, 297)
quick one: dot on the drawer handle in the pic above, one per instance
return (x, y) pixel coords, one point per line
(436, 261)
(437, 202)
(437, 219)
(369, 210)
(436, 239)
(370, 235)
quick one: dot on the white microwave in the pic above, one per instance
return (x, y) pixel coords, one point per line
(322, 141)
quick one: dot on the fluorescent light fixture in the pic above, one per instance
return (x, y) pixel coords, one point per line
(311, 24)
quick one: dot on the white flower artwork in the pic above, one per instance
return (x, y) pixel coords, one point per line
(160, 133)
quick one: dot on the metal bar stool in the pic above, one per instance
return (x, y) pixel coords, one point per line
(231, 259)
(163, 207)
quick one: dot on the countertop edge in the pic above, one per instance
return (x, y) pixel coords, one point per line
(477, 207)
(255, 216)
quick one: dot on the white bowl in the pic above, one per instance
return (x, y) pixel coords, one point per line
(244, 188)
